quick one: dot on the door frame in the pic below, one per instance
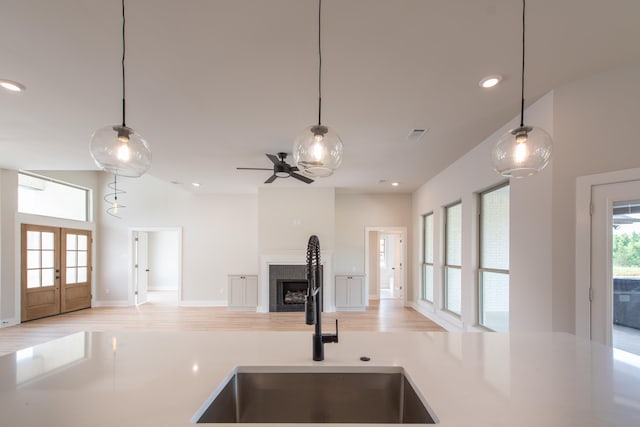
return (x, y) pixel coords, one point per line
(403, 236)
(24, 218)
(132, 270)
(584, 186)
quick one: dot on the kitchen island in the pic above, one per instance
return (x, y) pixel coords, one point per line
(467, 379)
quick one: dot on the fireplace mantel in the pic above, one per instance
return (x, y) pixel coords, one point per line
(295, 258)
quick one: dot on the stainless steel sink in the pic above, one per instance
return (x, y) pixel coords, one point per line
(316, 395)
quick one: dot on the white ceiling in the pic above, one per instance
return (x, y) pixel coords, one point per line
(215, 84)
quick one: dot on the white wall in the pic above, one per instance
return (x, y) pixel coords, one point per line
(355, 212)
(8, 206)
(596, 131)
(287, 217)
(218, 231)
(164, 258)
(530, 235)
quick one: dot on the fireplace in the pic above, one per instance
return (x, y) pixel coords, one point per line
(287, 287)
(291, 294)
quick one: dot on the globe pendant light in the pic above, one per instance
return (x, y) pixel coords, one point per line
(525, 150)
(118, 148)
(317, 151)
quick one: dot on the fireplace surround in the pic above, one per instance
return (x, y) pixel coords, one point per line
(287, 287)
(295, 258)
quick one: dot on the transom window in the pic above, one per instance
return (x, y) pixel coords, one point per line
(43, 196)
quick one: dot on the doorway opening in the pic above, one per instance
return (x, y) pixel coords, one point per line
(613, 263)
(156, 266)
(385, 261)
(625, 253)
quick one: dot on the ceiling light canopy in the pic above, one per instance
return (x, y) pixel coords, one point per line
(118, 148)
(490, 81)
(525, 150)
(317, 151)
(12, 86)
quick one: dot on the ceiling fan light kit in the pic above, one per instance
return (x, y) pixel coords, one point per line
(281, 169)
(317, 151)
(118, 148)
(525, 150)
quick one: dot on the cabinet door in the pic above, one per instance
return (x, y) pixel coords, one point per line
(341, 291)
(237, 285)
(251, 291)
(356, 291)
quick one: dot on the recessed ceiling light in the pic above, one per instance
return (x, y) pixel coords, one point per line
(11, 85)
(195, 184)
(395, 184)
(490, 81)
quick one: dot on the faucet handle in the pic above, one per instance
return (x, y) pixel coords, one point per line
(329, 338)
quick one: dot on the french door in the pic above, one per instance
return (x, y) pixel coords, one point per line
(55, 270)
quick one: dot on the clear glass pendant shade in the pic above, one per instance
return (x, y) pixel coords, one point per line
(521, 152)
(121, 151)
(317, 151)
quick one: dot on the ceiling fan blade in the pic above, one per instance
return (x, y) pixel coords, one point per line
(271, 179)
(301, 178)
(294, 169)
(273, 158)
(255, 169)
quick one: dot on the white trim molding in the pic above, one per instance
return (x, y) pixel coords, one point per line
(203, 303)
(584, 186)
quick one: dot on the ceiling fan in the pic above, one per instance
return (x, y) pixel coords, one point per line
(281, 169)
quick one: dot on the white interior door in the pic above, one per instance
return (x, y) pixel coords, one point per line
(603, 198)
(141, 266)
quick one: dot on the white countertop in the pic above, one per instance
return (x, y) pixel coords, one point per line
(468, 379)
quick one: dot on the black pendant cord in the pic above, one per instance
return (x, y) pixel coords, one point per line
(522, 76)
(123, 78)
(319, 63)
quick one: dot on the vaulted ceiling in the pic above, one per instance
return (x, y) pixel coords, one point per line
(216, 84)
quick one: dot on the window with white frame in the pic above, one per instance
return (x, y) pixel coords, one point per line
(427, 257)
(43, 196)
(493, 280)
(453, 258)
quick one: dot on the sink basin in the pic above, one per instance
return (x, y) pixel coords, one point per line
(316, 395)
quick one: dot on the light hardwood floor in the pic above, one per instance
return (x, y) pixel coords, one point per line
(382, 315)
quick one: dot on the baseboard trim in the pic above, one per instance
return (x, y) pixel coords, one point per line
(203, 303)
(8, 322)
(117, 303)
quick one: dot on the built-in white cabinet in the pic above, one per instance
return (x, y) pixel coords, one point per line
(243, 293)
(350, 293)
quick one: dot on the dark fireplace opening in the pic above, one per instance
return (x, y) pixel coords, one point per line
(291, 294)
(294, 292)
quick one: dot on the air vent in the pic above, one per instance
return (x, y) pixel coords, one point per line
(416, 134)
